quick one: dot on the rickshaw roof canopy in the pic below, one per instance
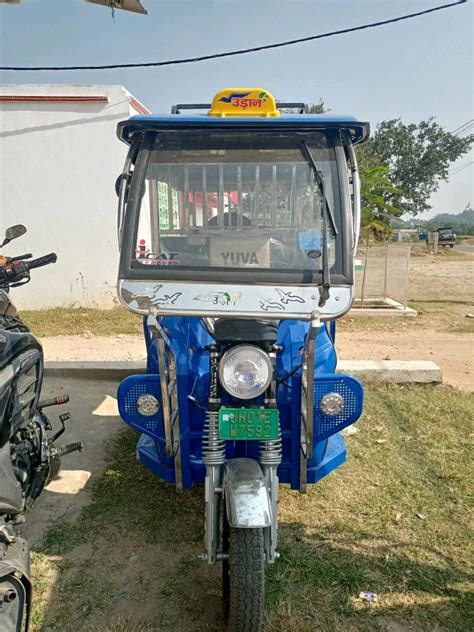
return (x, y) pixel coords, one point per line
(358, 130)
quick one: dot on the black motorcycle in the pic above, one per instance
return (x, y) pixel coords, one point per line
(28, 458)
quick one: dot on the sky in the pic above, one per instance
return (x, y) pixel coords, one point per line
(410, 70)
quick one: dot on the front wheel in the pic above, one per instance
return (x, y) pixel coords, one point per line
(244, 579)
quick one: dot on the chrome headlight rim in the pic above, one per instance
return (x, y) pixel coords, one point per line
(238, 349)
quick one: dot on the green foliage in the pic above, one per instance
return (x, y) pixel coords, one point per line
(417, 157)
(313, 108)
(318, 108)
(376, 191)
(462, 223)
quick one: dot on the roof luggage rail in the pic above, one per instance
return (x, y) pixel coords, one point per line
(302, 107)
(176, 109)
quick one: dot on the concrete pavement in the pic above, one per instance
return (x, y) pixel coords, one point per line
(95, 421)
(397, 371)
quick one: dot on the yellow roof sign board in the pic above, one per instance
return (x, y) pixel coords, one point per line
(243, 102)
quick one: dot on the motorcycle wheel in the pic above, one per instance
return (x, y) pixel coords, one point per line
(243, 579)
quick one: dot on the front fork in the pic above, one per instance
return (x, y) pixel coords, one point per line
(270, 459)
(213, 455)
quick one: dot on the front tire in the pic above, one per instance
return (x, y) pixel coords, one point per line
(244, 579)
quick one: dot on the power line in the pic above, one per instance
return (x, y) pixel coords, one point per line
(460, 168)
(243, 51)
(467, 124)
(464, 130)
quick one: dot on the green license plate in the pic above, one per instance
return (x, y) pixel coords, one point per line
(259, 424)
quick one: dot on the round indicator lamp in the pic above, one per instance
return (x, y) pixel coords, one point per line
(148, 405)
(331, 404)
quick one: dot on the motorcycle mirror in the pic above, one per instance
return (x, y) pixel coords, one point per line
(118, 183)
(13, 232)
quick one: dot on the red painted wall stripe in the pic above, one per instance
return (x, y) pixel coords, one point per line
(139, 106)
(12, 98)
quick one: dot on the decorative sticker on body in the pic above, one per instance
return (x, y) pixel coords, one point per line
(310, 240)
(220, 298)
(279, 304)
(153, 295)
(289, 297)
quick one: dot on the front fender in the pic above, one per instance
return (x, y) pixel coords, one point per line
(246, 495)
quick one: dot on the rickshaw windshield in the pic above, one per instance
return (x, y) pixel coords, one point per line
(248, 201)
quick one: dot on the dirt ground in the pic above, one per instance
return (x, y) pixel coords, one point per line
(452, 351)
(440, 288)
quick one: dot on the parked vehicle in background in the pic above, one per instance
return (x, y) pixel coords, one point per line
(446, 237)
(28, 457)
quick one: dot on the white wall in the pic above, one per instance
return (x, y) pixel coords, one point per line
(58, 165)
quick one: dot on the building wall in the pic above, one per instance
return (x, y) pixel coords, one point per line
(58, 165)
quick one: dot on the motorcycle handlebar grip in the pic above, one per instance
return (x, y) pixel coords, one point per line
(54, 401)
(43, 261)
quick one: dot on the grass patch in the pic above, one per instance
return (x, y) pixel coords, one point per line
(359, 529)
(446, 315)
(73, 321)
(44, 576)
(395, 520)
(451, 254)
(444, 254)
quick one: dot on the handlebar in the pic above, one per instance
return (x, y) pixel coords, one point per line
(17, 270)
(42, 261)
(22, 257)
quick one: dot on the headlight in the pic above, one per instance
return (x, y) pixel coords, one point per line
(148, 405)
(331, 404)
(245, 371)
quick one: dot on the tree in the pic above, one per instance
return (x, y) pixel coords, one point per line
(417, 157)
(376, 190)
(462, 223)
(318, 108)
(313, 108)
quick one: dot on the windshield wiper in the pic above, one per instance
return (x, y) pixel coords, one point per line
(319, 177)
(327, 214)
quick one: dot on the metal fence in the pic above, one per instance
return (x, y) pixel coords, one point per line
(382, 270)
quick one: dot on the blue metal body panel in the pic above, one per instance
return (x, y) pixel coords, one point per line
(358, 130)
(189, 340)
